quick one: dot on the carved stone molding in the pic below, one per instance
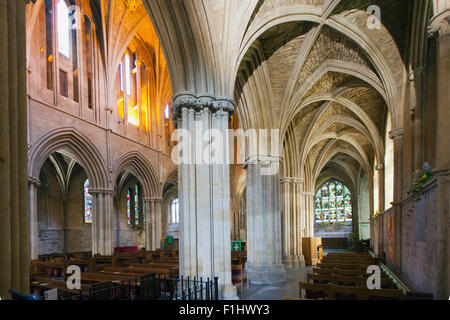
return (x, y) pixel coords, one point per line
(262, 160)
(187, 100)
(396, 134)
(291, 180)
(131, 5)
(101, 191)
(34, 181)
(380, 166)
(152, 199)
(439, 25)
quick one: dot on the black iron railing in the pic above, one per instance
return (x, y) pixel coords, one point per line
(151, 287)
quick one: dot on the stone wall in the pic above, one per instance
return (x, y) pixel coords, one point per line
(419, 255)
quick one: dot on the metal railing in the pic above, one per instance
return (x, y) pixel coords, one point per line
(151, 287)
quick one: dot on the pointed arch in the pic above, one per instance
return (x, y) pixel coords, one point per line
(138, 165)
(83, 150)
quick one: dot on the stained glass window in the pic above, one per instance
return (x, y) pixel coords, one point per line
(136, 206)
(333, 204)
(87, 203)
(129, 206)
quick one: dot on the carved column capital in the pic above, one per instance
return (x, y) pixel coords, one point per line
(110, 109)
(263, 160)
(150, 200)
(380, 167)
(188, 100)
(101, 191)
(396, 134)
(439, 25)
(291, 180)
(34, 181)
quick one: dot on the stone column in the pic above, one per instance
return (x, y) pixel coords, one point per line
(33, 185)
(102, 226)
(381, 196)
(148, 224)
(440, 28)
(264, 262)
(397, 136)
(308, 212)
(204, 188)
(14, 220)
(292, 222)
(153, 221)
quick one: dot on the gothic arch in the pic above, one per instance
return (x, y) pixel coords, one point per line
(138, 165)
(77, 144)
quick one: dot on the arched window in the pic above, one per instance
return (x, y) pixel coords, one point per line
(87, 203)
(333, 204)
(127, 75)
(174, 216)
(129, 206)
(167, 112)
(136, 205)
(63, 28)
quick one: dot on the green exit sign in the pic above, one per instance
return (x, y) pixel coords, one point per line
(236, 246)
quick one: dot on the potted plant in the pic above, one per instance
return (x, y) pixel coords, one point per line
(420, 178)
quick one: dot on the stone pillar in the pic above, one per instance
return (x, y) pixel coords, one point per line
(264, 262)
(14, 221)
(153, 221)
(292, 222)
(148, 224)
(308, 212)
(440, 28)
(204, 188)
(102, 226)
(397, 136)
(381, 196)
(33, 185)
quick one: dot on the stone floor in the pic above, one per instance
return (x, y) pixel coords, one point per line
(276, 291)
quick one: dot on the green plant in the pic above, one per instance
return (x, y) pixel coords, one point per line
(420, 178)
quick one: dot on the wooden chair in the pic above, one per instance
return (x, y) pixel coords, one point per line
(326, 265)
(383, 294)
(385, 282)
(313, 290)
(346, 281)
(238, 275)
(348, 266)
(322, 271)
(349, 273)
(345, 293)
(319, 278)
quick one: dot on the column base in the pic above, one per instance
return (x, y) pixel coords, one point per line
(298, 261)
(287, 261)
(229, 293)
(266, 274)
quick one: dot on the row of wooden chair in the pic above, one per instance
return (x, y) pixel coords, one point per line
(385, 283)
(339, 292)
(343, 272)
(347, 266)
